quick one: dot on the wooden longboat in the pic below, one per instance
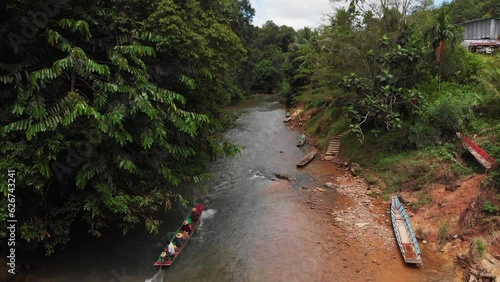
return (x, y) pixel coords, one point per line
(403, 231)
(168, 261)
(481, 156)
(307, 158)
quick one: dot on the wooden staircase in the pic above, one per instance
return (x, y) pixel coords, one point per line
(334, 145)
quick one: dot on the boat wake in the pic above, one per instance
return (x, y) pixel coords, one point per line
(207, 214)
(157, 278)
(258, 174)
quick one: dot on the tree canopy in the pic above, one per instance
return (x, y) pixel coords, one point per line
(106, 106)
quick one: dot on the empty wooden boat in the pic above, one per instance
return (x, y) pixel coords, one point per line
(405, 236)
(307, 158)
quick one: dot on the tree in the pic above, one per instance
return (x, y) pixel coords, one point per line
(442, 32)
(266, 75)
(297, 70)
(462, 11)
(107, 110)
(404, 7)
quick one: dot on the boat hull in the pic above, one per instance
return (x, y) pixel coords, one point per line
(169, 262)
(481, 156)
(403, 231)
(307, 158)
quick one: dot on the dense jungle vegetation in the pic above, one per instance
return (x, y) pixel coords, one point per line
(396, 76)
(106, 106)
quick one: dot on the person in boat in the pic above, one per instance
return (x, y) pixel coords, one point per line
(179, 240)
(195, 215)
(186, 229)
(162, 257)
(170, 249)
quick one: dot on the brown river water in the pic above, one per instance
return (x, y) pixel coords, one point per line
(254, 228)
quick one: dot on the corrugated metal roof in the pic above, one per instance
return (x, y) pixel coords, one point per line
(479, 20)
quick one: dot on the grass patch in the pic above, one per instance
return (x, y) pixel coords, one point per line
(423, 198)
(327, 124)
(386, 195)
(371, 179)
(479, 249)
(443, 232)
(340, 125)
(411, 170)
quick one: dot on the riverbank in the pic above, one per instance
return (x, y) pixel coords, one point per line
(358, 242)
(367, 249)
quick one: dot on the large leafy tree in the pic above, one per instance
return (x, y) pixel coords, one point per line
(365, 72)
(297, 69)
(374, 68)
(109, 107)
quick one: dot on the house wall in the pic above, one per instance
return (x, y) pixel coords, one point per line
(487, 28)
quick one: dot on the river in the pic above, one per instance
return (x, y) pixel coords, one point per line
(246, 231)
(254, 228)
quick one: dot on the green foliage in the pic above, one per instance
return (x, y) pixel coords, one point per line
(442, 33)
(405, 88)
(490, 208)
(125, 105)
(297, 69)
(266, 58)
(489, 84)
(373, 194)
(266, 76)
(468, 10)
(492, 181)
(448, 111)
(423, 135)
(406, 170)
(480, 247)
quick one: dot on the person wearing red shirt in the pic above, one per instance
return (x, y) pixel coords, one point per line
(186, 227)
(195, 215)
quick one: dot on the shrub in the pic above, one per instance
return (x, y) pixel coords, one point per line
(480, 247)
(451, 111)
(423, 198)
(423, 135)
(491, 208)
(443, 232)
